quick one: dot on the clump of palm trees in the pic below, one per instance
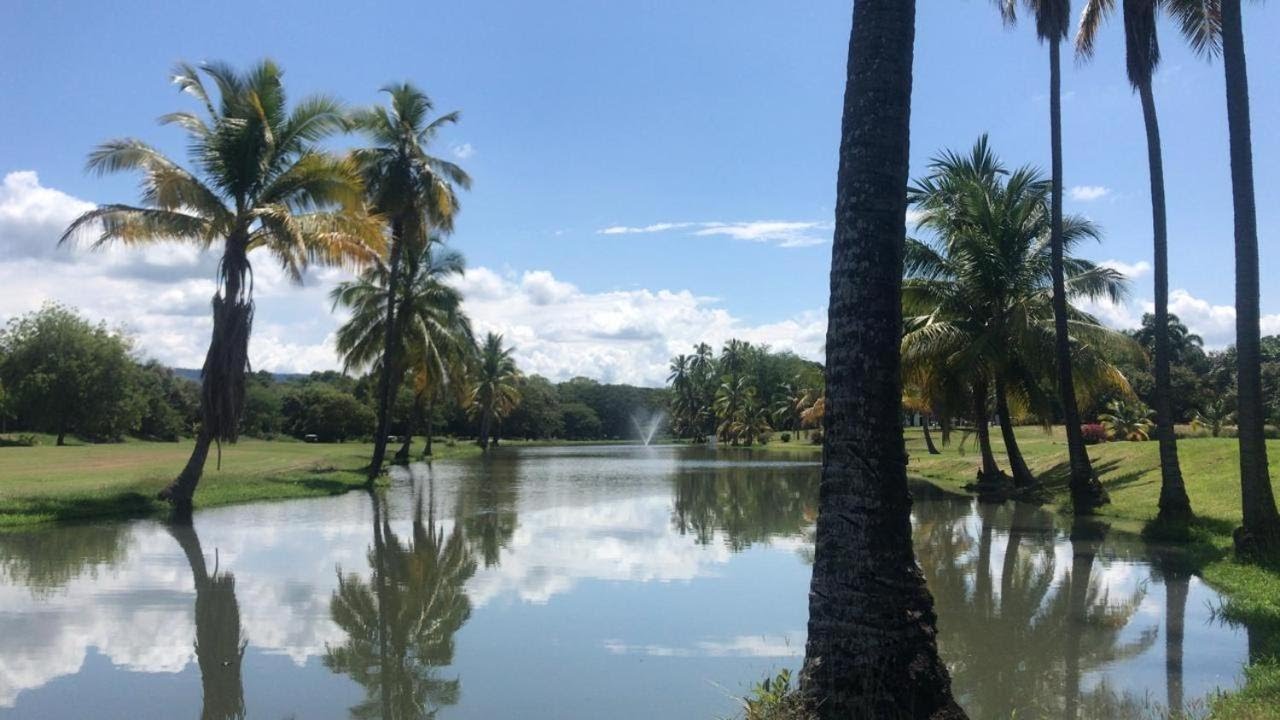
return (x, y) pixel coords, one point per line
(743, 395)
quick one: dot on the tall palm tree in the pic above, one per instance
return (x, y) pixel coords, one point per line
(979, 296)
(494, 393)
(1053, 19)
(415, 191)
(871, 648)
(434, 337)
(259, 183)
(734, 398)
(1142, 55)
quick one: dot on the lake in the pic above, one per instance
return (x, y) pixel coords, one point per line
(574, 582)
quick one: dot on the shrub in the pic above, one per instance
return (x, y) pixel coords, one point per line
(1093, 433)
(775, 698)
(1127, 421)
(785, 437)
(815, 437)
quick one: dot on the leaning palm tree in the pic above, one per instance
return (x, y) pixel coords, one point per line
(434, 337)
(415, 191)
(1142, 54)
(1214, 26)
(493, 393)
(259, 183)
(871, 648)
(1053, 20)
(979, 295)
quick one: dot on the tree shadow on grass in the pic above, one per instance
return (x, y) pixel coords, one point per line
(123, 505)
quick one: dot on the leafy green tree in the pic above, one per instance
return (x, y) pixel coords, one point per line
(580, 421)
(414, 190)
(259, 183)
(169, 405)
(65, 375)
(978, 296)
(494, 393)
(263, 410)
(326, 412)
(538, 416)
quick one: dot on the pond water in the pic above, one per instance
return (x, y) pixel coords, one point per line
(577, 582)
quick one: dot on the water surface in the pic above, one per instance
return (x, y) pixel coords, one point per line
(581, 582)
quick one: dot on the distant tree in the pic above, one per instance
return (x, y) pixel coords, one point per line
(330, 414)
(494, 393)
(65, 375)
(169, 405)
(580, 421)
(263, 410)
(538, 416)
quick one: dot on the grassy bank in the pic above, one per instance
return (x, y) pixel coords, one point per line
(1131, 473)
(51, 484)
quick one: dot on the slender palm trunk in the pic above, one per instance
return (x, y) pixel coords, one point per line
(1175, 612)
(1086, 492)
(486, 417)
(415, 420)
(871, 649)
(1086, 539)
(989, 474)
(222, 377)
(380, 572)
(431, 411)
(1022, 476)
(1260, 532)
(1175, 506)
(928, 438)
(388, 353)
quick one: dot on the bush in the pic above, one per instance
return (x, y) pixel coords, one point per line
(1093, 434)
(785, 437)
(815, 437)
(775, 698)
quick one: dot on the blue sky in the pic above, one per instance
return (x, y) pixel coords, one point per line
(711, 124)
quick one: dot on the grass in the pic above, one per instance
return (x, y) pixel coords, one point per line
(83, 481)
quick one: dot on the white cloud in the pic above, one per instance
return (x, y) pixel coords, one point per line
(463, 151)
(1216, 324)
(1088, 193)
(782, 233)
(1129, 270)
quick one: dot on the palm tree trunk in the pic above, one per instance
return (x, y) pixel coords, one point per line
(431, 410)
(1175, 506)
(1022, 476)
(388, 353)
(1086, 539)
(380, 572)
(1260, 532)
(989, 475)
(1086, 491)
(415, 419)
(928, 438)
(485, 416)
(871, 649)
(182, 490)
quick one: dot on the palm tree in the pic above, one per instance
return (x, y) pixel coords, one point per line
(979, 297)
(434, 337)
(733, 400)
(1053, 19)
(1142, 53)
(1214, 416)
(684, 403)
(1127, 420)
(494, 393)
(871, 648)
(415, 191)
(260, 182)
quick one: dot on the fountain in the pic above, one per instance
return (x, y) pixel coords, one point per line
(648, 428)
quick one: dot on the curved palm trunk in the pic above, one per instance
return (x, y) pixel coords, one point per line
(989, 475)
(1260, 532)
(222, 377)
(431, 411)
(388, 353)
(1175, 506)
(415, 420)
(928, 438)
(1022, 476)
(1086, 491)
(871, 649)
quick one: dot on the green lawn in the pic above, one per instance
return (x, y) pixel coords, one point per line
(48, 483)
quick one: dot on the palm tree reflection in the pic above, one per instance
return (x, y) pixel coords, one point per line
(220, 642)
(400, 623)
(747, 504)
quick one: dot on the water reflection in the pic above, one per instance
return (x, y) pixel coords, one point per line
(219, 642)
(400, 624)
(570, 582)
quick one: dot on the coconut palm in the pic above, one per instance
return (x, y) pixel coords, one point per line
(733, 400)
(414, 190)
(684, 406)
(1213, 416)
(434, 337)
(978, 296)
(1142, 53)
(871, 648)
(493, 392)
(1127, 420)
(259, 182)
(1052, 20)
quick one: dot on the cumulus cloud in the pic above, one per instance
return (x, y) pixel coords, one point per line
(463, 151)
(1088, 193)
(1129, 270)
(781, 233)
(33, 217)
(1216, 324)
